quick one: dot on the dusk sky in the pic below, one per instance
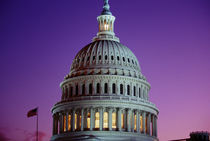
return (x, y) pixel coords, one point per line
(39, 39)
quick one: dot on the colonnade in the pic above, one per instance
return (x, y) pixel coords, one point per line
(101, 88)
(105, 119)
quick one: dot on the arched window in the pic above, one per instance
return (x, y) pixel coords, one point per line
(134, 90)
(71, 91)
(113, 88)
(97, 117)
(122, 121)
(112, 57)
(90, 89)
(94, 58)
(88, 120)
(99, 57)
(105, 120)
(83, 89)
(98, 88)
(105, 88)
(128, 90)
(77, 89)
(128, 60)
(118, 58)
(123, 59)
(121, 88)
(69, 122)
(114, 120)
(106, 57)
(139, 92)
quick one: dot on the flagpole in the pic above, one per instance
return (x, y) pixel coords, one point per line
(37, 126)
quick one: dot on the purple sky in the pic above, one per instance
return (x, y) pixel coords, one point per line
(39, 39)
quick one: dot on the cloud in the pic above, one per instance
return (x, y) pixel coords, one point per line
(3, 137)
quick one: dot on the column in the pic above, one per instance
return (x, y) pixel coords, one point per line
(56, 124)
(101, 119)
(137, 121)
(142, 92)
(67, 119)
(110, 119)
(144, 119)
(132, 121)
(109, 87)
(117, 88)
(148, 123)
(119, 119)
(61, 122)
(73, 120)
(82, 119)
(91, 119)
(53, 130)
(128, 120)
(85, 118)
(155, 126)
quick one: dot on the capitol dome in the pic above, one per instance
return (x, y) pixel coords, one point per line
(105, 96)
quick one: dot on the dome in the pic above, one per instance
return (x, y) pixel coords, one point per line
(105, 57)
(105, 96)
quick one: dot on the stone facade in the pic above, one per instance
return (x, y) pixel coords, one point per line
(105, 95)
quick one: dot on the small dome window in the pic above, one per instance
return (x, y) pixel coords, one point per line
(83, 59)
(118, 58)
(112, 57)
(124, 59)
(94, 57)
(99, 57)
(106, 57)
(128, 60)
(132, 62)
(88, 58)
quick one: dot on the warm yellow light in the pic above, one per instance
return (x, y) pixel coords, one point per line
(105, 120)
(135, 122)
(106, 26)
(122, 120)
(97, 120)
(141, 124)
(64, 123)
(114, 123)
(69, 122)
(75, 123)
(88, 120)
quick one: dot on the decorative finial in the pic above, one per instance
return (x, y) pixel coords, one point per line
(106, 7)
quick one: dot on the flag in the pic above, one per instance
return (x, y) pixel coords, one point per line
(32, 112)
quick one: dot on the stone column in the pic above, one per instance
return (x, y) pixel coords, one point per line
(117, 88)
(132, 121)
(109, 87)
(137, 121)
(61, 122)
(144, 119)
(110, 119)
(119, 119)
(101, 119)
(82, 119)
(128, 120)
(155, 126)
(67, 119)
(85, 118)
(73, 120)
(148, 123)
(91, 119)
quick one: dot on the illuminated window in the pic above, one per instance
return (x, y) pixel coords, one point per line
(75, 123)
(105, 120)
(97, 120)
(135, 122)
(122, 120)
(146, 124)
(88, 120)
(80, 118)
(69, 122)
(141, 124)
(114, 121)
(64, 123)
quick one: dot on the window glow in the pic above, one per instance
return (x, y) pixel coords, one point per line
(69, 122)
(88, 120)
(105, 120)
(122, 120)
(141, 124)
(97, 120)
(135, 122)
(64, 123)
(75, 123)
(114, 121)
